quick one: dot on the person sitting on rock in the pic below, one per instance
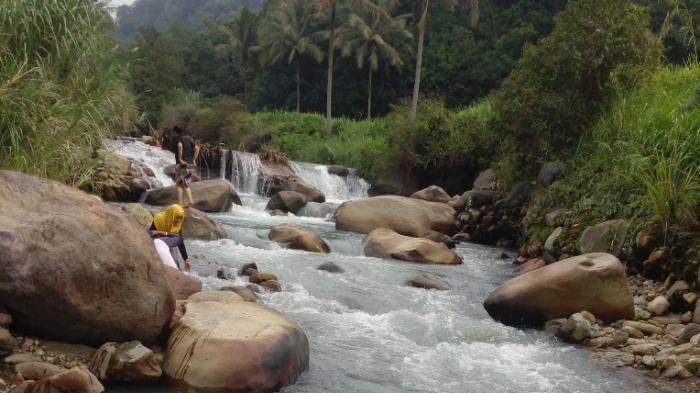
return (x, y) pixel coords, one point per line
(166, 232)
(187, 152)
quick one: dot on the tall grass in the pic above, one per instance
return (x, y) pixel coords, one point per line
(60, 90)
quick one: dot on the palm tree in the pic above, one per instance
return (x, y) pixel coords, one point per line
(332, 5)
(373, 38)
(450, 5)
(286, 34)
(241, 34)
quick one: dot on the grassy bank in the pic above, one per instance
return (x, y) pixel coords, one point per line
(60, 90)
(640, 162)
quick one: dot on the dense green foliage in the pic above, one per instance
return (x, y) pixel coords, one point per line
(60, 89)
(561, 84)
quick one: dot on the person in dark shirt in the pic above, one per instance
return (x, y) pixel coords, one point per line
(186, 161)
(167, 228)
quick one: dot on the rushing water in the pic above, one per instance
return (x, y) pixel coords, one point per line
(154, 159)
(369, 333)
(334, 187)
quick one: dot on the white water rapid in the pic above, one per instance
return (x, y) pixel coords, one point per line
(152, 158)
(369, 333)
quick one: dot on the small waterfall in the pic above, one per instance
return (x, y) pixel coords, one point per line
(334, 187)
(245, 171)
(145, 156)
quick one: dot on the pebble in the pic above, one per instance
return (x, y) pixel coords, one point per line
(632, 332)
(643, 327)
(642, 349)
(648, 361)
(659, 305)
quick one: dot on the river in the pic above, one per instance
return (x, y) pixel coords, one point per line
(369, 333)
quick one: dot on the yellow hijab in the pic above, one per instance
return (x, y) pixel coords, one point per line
(165, 221)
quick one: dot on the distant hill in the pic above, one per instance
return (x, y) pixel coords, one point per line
(161, 13)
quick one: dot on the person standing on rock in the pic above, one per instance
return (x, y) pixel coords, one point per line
(166, 232)
(186, 161)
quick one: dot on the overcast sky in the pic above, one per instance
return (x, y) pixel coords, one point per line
(117, 3)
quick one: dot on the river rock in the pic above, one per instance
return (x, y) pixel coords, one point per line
(38, 370)
(280, 177)
(76, 269)
(211, 196)
(198, 225)
(576, 329)
(386, 243)
(691, 330)
(298, 238)
(593, 282)
(530, 265)
(75, 380)
(550, 172)
(245, 293)
(225, 297)
(183, 285)
(272, 285)
(428, 281)
(407, 216)
(551, 242)
(5, 320)
(659, 305)
(171, 171)
(338, 170)
(286, 201)
(487, 180)
(126, 362)
(608, 236)
(432, 194)
(237, 348)
(244, 269)
(7, 342)
(139, 213)
(643, 327)
(258, 278)
(330, 267)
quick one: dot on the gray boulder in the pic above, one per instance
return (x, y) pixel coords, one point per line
(428, 281)
(211, 196)
(487, 180)
(608, 236)
(550, 172)
(432, 194)
(286, 201)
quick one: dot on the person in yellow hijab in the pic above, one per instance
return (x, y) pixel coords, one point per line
(167, 228)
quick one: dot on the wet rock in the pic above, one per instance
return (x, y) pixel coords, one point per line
(225, 273)
(432, 194)
(244, 268)
(338, 170)
(245, 293)
(241, 347)
(330, 267)
(47, 286)
(198, 225)
(262, 277)
(286, 201)
(298, 238)
(75, 380)
(126, 362)
(385, 243)
(428, 281)
(659, 305)
(255, 288)
(608, 236)
(272, 285)
(275, 183)
(407, 216)
(211, 196)
(576, 329)
(593, 282)
(553, 326)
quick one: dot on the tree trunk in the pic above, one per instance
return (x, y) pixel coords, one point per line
(298, 89)
(422, 24)
(329, 88)
(245, 84)
(369, 95)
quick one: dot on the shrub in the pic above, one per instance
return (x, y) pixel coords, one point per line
(561, 84)
(61, 90)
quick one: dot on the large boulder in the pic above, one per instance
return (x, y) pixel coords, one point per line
(286, 201)
(280, 177)
(407, 216)
(593, 282)
(608, 236)
(211, 196)
(76, 269)
(183, 285)
(198, 225)
(298, 238)
(386, 243)
(139, 213)
(487, 180)
(235, 347)
(338, 170)
(432, 194)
